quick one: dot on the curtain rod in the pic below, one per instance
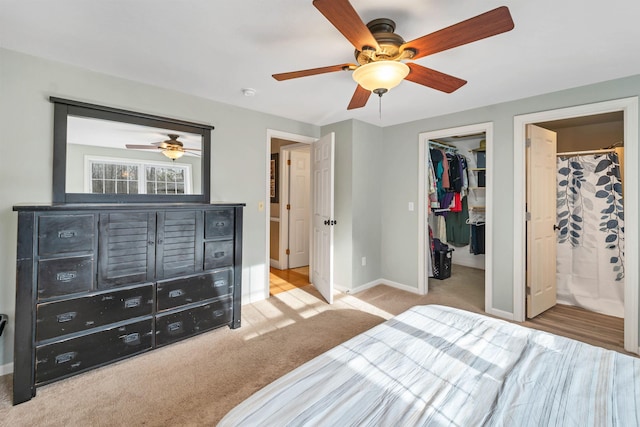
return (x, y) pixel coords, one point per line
(580, 153)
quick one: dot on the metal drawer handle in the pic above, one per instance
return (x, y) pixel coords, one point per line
(176, 293)
(67, 234)
(66, 317)
(218, 283)
(218, 254)
(220, 224)
(174, 327)
(133, 302)
(66, 276)
(132, 339)
(218, 313)
(66, 357)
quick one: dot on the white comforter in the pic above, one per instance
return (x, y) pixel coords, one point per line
(434, 365)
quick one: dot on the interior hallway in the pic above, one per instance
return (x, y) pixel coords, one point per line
(285, 280)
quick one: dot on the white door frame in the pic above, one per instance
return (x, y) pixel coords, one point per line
(629, 107)
(423, 152)
(285, 154)
(271, 133)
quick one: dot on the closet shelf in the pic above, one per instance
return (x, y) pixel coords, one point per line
(478, 169)
(477, 188)
(477, 208)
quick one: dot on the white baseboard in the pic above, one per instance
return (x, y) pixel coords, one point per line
(275, 263)
(499, 313)
(377, 282)
(6, 369)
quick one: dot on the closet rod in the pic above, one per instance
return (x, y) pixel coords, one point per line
(443, 145)
(580, 153)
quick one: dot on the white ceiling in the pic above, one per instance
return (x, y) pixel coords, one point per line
(214, 49)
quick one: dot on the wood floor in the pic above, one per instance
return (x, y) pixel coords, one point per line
(285, 280)
(582, 325)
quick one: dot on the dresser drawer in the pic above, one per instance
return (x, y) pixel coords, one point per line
(174, 293)
(55, 319)
(63, 276)
(58, 234)
(175, 326)
(77, 354)
(218, 254)
(219, 224)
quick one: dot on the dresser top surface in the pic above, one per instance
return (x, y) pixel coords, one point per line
(120, 206)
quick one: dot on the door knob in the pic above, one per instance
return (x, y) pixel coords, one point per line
(555, 227)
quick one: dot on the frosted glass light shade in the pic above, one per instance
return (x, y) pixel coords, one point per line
(173, 154)
(380, 74)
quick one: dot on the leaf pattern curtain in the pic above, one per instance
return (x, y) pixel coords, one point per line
(590, 217)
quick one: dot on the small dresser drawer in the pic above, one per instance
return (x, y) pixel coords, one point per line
(55, 319)
(175, 326)
(218, 254)
(58, 234)
(63, 276)
(74, 355)
(219, 224)
(174, 293)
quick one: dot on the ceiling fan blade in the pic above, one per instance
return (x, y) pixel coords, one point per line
(488, 24)
(434, 79)
(311, 72)
(191, 149)
(141, 147)
(359, 98)
(345, 18)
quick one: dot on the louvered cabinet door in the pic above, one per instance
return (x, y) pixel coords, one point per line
(179, 243)
(127, 246)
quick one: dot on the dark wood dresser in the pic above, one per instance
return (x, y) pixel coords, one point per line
(102, 282)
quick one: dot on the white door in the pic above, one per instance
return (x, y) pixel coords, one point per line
(300, 211)
(541, 220)
(321, 267)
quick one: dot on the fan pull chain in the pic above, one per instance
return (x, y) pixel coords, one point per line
(380, 107)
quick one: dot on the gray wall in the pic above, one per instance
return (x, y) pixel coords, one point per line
(26, 119)
(357, 202)
(400, 179)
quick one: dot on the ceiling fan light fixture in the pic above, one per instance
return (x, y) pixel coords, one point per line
(378, 75)
(173, 154)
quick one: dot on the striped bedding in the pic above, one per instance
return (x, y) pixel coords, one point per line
(435, 365)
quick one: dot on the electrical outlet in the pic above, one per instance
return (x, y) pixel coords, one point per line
(260, 206)
(364, 261)
(411, 207)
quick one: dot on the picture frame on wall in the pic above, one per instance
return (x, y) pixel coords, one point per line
(274, 178)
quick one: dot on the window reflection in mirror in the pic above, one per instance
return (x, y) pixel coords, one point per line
(105, 154)
(106, 157)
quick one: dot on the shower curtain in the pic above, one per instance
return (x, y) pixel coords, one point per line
(590, 249)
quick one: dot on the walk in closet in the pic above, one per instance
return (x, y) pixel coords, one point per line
(456, 203)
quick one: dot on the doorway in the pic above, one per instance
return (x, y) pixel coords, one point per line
(475, 143)
(629, 109)
(280, 149)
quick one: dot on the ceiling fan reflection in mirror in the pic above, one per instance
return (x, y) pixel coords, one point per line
(171, 148)
(380, 52)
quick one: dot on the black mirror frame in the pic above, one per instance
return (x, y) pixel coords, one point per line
(65, 107)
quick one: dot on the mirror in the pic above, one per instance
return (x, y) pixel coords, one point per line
(103, 154)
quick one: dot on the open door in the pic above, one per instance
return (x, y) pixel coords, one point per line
(300, 208)
(321, 267)
(541, 220)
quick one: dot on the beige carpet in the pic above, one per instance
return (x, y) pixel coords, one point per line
(197, 381)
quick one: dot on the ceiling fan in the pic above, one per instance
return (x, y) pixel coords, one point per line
(171, 148)
(380, 52)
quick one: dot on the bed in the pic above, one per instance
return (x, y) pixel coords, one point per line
(435, 365)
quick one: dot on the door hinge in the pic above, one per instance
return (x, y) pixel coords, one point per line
(287, 251)
(289, 162)
(288, 207)
(528, 143)
(527, 216)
